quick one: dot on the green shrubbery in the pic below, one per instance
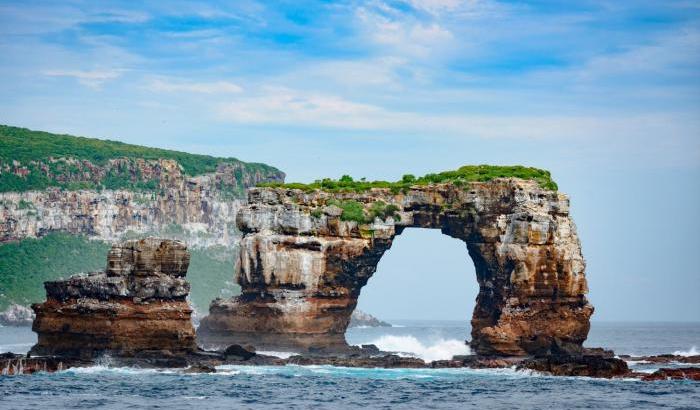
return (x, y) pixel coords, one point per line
(27, 264)
(355, 211)
(462, 176)
(211, 275)
(25, 145)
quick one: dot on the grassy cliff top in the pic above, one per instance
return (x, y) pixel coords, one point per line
(26, 145)
(461, 176)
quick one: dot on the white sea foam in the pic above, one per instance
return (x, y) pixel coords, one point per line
(692, 352)
(281, 355)
(118, 370)
(440, 350)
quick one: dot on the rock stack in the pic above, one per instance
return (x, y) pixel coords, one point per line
(137, 306)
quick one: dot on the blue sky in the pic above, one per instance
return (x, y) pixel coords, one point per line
(605, 94)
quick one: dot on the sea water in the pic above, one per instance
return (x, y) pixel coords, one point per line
(300, 387)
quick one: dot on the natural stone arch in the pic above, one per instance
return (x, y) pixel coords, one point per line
(302, 266)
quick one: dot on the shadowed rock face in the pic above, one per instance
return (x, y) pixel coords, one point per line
(302, 266)
(138, 304)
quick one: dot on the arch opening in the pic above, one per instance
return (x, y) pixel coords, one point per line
(425, 286)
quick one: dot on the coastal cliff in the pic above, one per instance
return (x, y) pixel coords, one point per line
(306, 254)
(105, 192)
(138, 304)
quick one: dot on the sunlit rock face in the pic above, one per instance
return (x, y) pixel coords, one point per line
(199, 208)
(302, 266)
(137, 305)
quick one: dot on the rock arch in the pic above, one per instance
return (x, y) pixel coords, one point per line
(303, 264)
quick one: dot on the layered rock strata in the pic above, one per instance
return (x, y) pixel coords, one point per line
(304, 259)
(137, 305)
(201, 209)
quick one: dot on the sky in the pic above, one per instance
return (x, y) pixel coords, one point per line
(604, 94)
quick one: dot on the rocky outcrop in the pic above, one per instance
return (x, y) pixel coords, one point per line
(137, 305)
(687, 373)
(162, 200)
(17, 315)
(305, 256)
(595, 362)
(362, 319)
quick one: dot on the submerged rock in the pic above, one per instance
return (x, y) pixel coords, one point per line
(362, 319)
(663, 358)
(136, 307)
(17, 315)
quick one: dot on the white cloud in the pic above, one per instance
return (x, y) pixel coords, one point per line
(284, 106)
(403, 34)
(215, 87)
(436, 6)
(90, 78)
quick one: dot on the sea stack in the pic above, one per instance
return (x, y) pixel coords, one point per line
(136, 306)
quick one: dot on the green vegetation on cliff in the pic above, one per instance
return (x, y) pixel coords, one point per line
(27, 264)
(24, 145)
(462, 176)
(355, 211)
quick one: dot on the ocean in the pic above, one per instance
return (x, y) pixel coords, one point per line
(327, 387)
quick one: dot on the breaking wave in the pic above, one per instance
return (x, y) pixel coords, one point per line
(692, 352)
(441, 349)
(281, 355)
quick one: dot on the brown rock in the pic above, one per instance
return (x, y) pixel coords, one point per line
(687, 373)
(137, 307)
(301, 266)
(586, 364)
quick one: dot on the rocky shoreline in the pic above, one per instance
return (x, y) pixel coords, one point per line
(593, 363)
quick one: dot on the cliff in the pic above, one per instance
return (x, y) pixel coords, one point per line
(138, 304)
(306, 254)
(109, 191)
(104, 189)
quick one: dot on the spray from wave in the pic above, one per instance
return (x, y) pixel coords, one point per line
(441, 349)
(692, 352)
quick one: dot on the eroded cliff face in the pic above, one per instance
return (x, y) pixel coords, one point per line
(303, 264)
(138, 305)
(160, 200)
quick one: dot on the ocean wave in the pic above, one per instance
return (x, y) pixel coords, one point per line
(281, 355)
(441, 349)
(692, 352)
(118, 370)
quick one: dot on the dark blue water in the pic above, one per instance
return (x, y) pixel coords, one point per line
(297, 387)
